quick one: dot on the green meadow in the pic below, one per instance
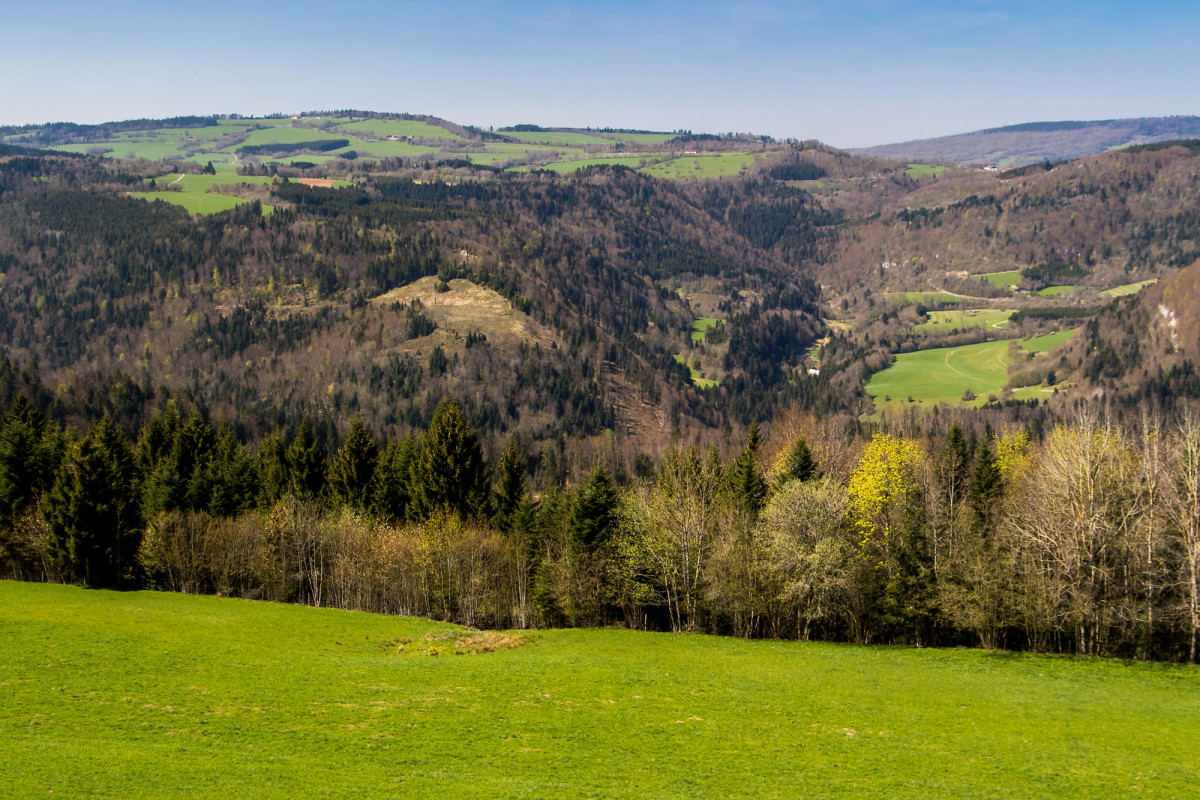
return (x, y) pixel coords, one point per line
(942, 375)
(925, 170)
(1055, 291)
(700, 326)
(393, 127)
(568, 138)
(702, 166)
(142, 694)
(580, 163)
(925, 297)
(966, 318)
(1127, 289)
(192, 192)
(703, 383)
(1009, 278)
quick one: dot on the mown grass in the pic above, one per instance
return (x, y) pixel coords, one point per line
(702, 166)
(924, 170)
(567, 138)
(393, 127)
(632, 162)
(193, 192)
(1009, 278)
(700, 327)
(925, 297)
(944, 374)
(1055, 291)
(155, 695)
(1127, 289)
(1044, 344)
(965, 318)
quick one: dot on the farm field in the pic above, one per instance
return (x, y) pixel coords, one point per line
(942, 375)
(1008, 278)
(574, 166)
(393, 127)
(966, 318)
(192, 192)
(1127, 289)
(568, 138)
(1055, 291)
(702, 166)
(142, 694)
(925, 297)
(925, 170)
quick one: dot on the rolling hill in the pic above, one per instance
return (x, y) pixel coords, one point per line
(1028, 143)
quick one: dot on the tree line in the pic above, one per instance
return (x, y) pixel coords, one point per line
(1087, 541)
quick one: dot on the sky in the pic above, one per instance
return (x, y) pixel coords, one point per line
(851, 74)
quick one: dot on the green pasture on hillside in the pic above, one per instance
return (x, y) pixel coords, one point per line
(141, 694)
(192, 192)
(382, 128)
(703, 383)
(568, 138)
(1008, 278)
(700, 327)
(1127, 289)
(926, 297)
(1055, 291)
(649, 139)
(1044, 344)
(966, 318)
(943, 374)
(702, 166)
(925, 170)
(574, 166)
(284, 134)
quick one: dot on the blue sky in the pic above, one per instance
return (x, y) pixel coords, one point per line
(852, 73)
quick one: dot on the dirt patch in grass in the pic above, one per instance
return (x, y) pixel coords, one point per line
(457, 643)
(324, 183)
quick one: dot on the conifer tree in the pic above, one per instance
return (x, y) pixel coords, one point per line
(510, 484)
(594, 512)
(451, 472)
(746, 479)
(306, 463)
(800, 464)
(354, 466)
(93, 511)
(391, 491)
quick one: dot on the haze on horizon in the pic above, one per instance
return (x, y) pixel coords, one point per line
(860, 73)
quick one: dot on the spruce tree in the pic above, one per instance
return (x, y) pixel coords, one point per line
(451, 473)
(594, 512)
(93, 510)
(510, 484)
(305, 463)
(391, 490)
(354, 466)
(800, 464)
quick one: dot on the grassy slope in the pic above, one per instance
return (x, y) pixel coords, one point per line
(982, 318)
(155, 695)
(942, 374)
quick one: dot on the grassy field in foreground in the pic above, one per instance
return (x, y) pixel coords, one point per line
(156, 695)
(943, 374)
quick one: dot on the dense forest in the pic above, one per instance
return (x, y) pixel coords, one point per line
(1086, 541)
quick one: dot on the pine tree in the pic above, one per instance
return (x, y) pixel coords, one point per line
(391, 490)
(354, 466)
(510, 484)
(800, 464)
(22, 457)
(450, 472)
(594, 512)
(93, 511)
(305, 463)
(746, 479)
